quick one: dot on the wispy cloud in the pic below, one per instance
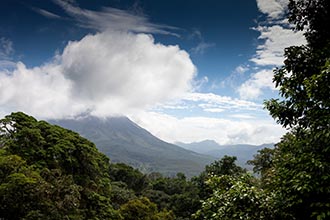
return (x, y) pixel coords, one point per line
(241, 69)
(274, 40)
(112, 19)
(6, 52)
(213, 101)
(275, 36)
(46, 13)
(235, 78)
(6, 47)
(202, 46)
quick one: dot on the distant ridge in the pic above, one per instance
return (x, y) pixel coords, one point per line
(124, 141)
(203, 147)
(243, 152)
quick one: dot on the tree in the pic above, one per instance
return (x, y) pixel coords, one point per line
(300, 180)
(263, 164)
(48, 172)
(301, 165)
(235, 198)
(133, 178)
(176, 194)
(224, 166)
(143, 209)
(304, 79)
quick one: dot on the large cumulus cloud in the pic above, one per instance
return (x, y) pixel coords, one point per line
(107, 73)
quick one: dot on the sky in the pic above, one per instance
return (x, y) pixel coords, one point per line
(186, 71)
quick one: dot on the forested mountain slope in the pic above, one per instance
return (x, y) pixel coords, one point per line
(124, 141)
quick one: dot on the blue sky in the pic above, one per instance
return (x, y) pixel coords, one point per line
(184, 71)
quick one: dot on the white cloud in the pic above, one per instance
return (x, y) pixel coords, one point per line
(106, 73)
(242, 116)
(274, 40)
(211, 100)
(214, 110)
(252, 88)
(41, 91)
(234, 78)
(275, 36)
(112, 19)
(273, 8)
(197, 103)
(223, 131)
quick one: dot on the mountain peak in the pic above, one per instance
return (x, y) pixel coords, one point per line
(124, 141)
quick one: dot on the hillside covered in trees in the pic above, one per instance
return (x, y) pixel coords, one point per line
(48, 172)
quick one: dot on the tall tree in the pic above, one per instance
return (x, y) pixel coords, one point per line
(301, 165)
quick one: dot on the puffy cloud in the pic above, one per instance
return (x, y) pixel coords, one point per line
(224, 131)
(41, 91)
(104, 74)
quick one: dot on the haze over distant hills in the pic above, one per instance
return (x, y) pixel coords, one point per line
(124, 141)
(243, 152)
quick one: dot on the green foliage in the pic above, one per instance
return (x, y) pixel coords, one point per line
(143, 209)
(235, 198)
(121, 194)
(301, 160)
(263, 164)
(230, 193)
(176, 194)
(133, 178)
(300, 179)
(224, 166)
(48, 172)
(312, 15)
(304, 79)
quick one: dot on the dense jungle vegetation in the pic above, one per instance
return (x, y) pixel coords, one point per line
(48, 172)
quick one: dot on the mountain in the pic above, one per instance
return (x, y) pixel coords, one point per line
(124, 141)
(203, 147)
(243, 152)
